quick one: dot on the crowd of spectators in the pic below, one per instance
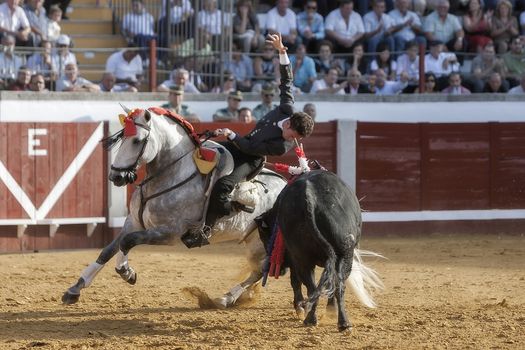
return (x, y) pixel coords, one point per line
(336, 46)
(362, 46)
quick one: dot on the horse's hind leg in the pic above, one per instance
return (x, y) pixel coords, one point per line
(235, 293)
(87, 276)
(132, 239)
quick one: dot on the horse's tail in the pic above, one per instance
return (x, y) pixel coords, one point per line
(363, 280)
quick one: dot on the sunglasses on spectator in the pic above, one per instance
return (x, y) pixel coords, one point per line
(268, 95)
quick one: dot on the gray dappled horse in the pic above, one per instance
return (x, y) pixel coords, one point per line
(172, 199)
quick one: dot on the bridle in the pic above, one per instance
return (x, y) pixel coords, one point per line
(130, 172)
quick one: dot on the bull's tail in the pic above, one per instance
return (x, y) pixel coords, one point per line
(363, 280)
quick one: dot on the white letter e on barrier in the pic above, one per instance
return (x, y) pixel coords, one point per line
(33, 142)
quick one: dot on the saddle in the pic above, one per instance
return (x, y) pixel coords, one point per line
(215, 160)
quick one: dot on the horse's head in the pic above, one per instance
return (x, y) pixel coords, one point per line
(138, 146)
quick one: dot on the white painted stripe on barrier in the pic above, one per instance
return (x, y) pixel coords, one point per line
(443, 215)
(17, 191)
(70, 172)
(57, 221)
(117, 221)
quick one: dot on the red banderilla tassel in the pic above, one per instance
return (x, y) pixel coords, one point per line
(281, 167)
(277, 258)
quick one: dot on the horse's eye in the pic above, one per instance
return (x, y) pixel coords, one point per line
(136, 141)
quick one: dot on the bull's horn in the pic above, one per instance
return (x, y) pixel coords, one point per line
(126, 109)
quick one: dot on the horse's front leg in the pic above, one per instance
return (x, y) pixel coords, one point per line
(132, 239)
(87, 276)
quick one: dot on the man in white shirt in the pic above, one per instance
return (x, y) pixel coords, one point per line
(281, 19)
(71, 81)
(107, 84)
(211, 19)
(13, 21)
(520, 89)
(386, 87)
(443, 26)
(409, 63)
(406, 25)
(344, 27)
(378, 27)
(179, 77)
(328, 85)
(9, 62)
(126, 65)
(138, 25)
(60, 59)
(440, 63)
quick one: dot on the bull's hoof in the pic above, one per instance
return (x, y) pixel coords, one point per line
(310, 321)
(69, 298)
(344, 327)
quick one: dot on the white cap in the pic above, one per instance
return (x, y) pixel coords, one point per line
(63, 40)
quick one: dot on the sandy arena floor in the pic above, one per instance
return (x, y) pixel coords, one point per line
(443, 292)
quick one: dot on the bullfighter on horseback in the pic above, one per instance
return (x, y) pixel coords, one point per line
(272, 135)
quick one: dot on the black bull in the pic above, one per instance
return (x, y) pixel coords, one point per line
(320, 220)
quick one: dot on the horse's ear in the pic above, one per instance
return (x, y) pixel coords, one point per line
(147, 115)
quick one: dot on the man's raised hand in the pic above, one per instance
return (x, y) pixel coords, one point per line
(277, 42)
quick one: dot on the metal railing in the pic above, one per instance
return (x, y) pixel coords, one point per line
(188, 36)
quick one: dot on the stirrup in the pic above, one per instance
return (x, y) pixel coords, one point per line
(239, 206)
(197, 238)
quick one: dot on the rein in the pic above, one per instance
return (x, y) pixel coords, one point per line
(144, 200)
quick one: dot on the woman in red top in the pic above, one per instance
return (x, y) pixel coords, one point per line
(477, 26)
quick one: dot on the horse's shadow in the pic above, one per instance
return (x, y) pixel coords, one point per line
(80, 324)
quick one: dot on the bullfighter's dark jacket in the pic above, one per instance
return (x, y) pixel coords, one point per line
(266, 138)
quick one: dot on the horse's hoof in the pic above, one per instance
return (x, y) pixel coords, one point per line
(223, 302)
(128, 274)
(133, 278)
(299, 311)
(344, 327)
(69, 298)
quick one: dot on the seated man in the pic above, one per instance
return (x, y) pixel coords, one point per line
(273, 135)
(108, 84)
(138, 25)
(22, 80)
(71, 81)
(175, 98)
(266, 105)
(231, 112)
(126, 65)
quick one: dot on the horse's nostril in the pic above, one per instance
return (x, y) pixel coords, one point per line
(115, 177)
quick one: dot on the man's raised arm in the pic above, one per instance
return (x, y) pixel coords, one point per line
(287, 100)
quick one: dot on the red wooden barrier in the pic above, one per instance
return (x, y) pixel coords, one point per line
(43, 170)
(412, 167)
